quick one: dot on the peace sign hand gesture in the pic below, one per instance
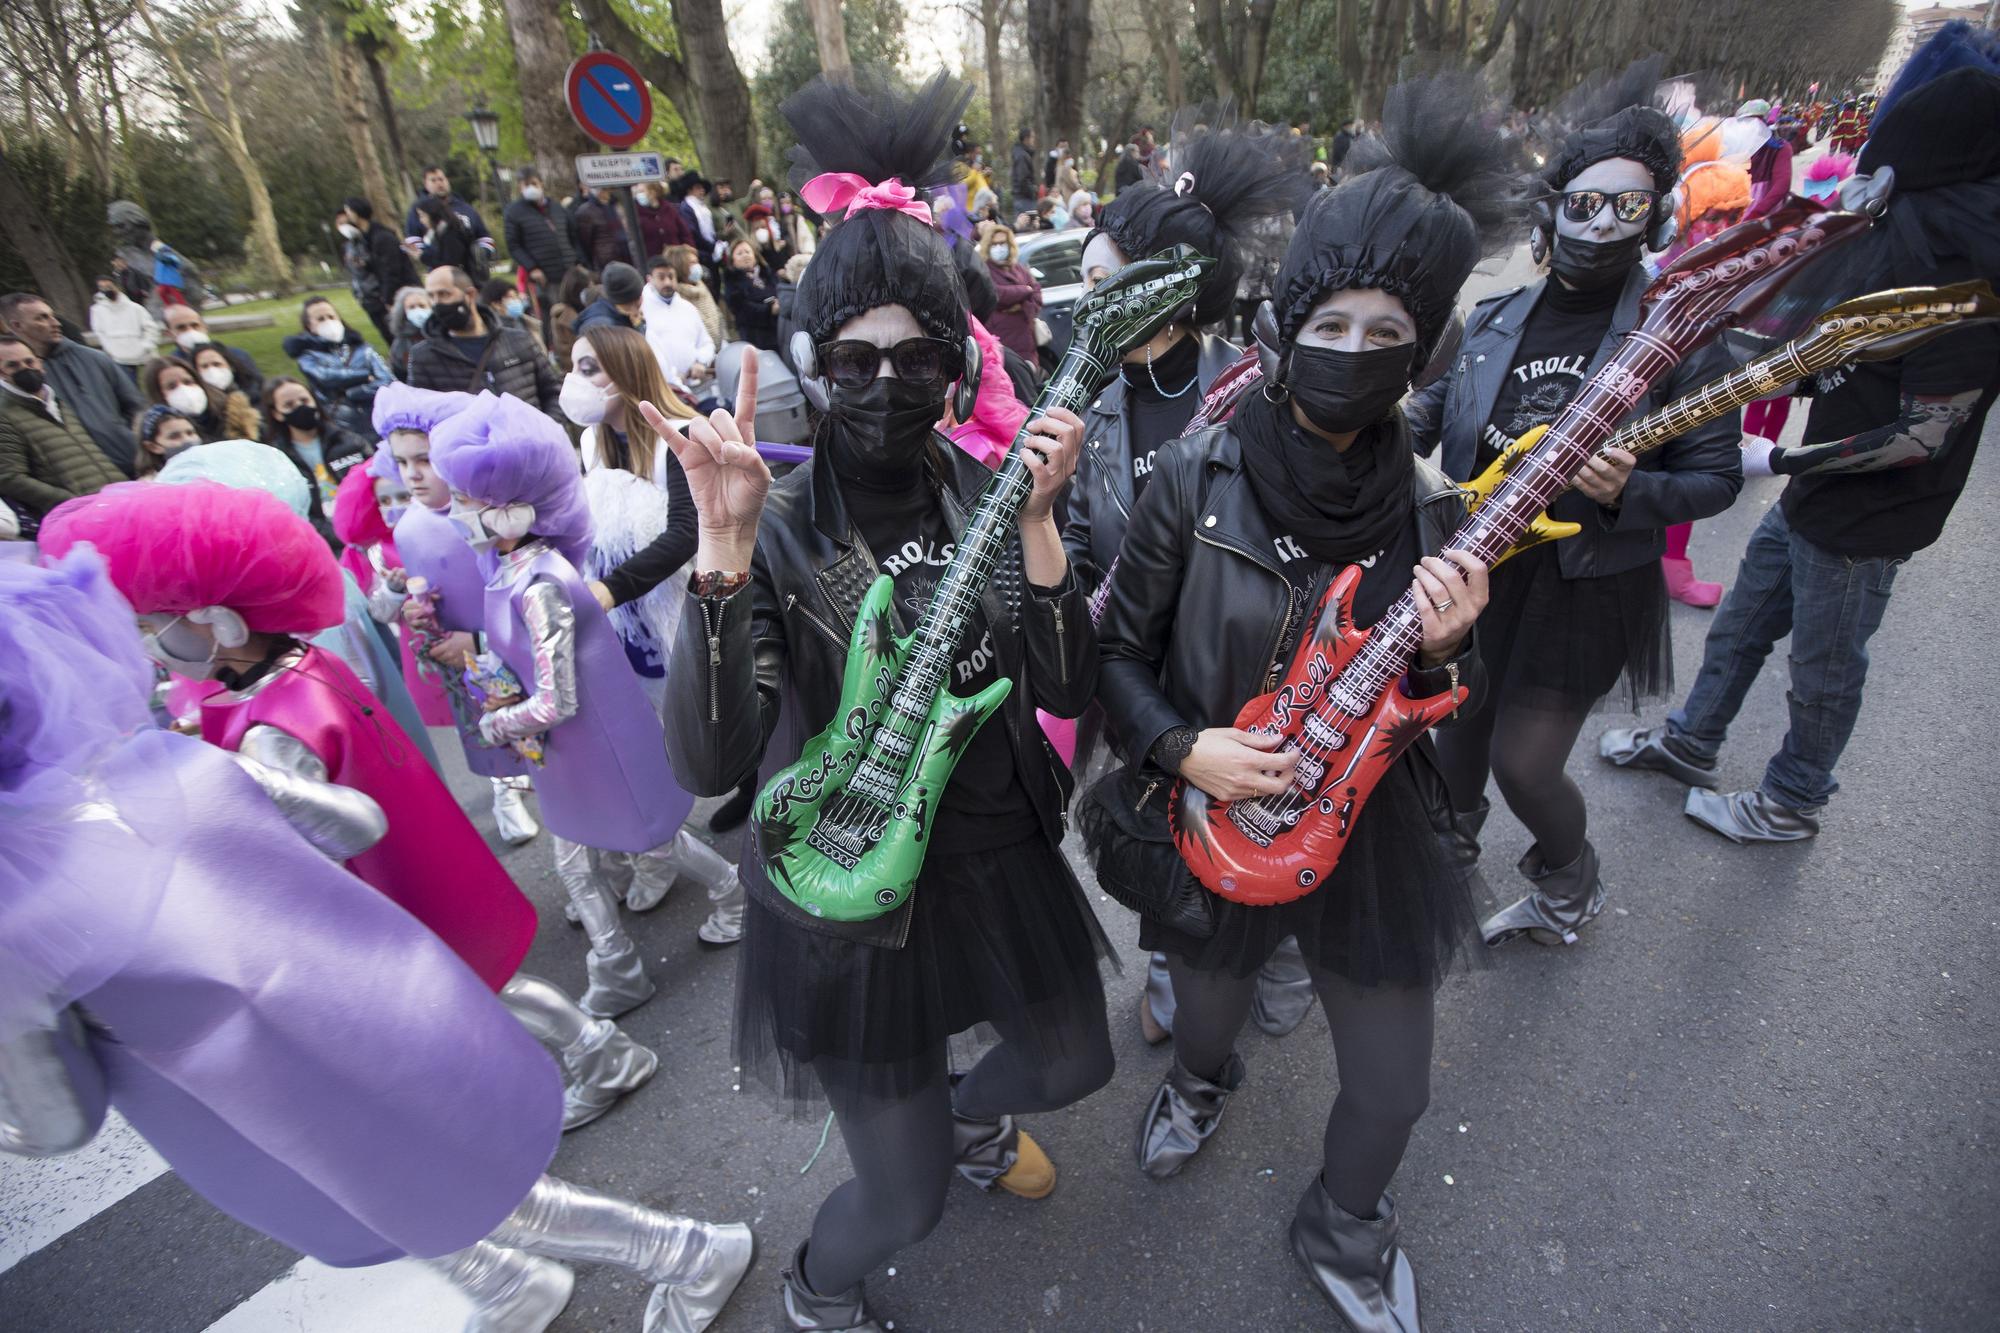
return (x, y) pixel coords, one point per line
(726, 476)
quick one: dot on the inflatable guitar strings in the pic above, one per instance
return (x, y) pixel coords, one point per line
(1877, 327)
(1340, 706)
(845, 828)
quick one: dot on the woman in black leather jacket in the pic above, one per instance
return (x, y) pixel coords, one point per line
(1230, 183)
(997, 929)
(1573, 618)
(1241, 529)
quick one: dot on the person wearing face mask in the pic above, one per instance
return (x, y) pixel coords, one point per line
(675, 328)
(1233, 183)
(600, 230)
(751, 292)
(1577, 619)
(448, 242)
(642, 530)
(661, 222)
(321, 451)
(998, 929)
(344, 371)
(162, 433)
(1241, 529)
(409, 311)
(512, 308)
(1019, 294)
(773, 245)
(607, 792)
(46, 456)
(219, 414)
(465, 351)
(378, 265)
(125, 329)
(370, 1100)
(541, 234)
(189, 332)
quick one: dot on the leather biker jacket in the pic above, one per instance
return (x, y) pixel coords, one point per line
(758, 673)
(1100, 496)
(1694, 475)
(1192, 628)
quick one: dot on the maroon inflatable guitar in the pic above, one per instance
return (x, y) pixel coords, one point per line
(1340, 707)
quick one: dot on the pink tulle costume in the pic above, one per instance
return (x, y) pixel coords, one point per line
(245, 1002)
(174, 549)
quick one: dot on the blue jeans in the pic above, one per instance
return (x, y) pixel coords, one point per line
(1831, 605)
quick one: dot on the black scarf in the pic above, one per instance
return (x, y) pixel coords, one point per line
(1341, 507)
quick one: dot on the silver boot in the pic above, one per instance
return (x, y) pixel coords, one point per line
(1749, 816)
(1356, 1263)
(1647, 747)
(1156, 1002)
(1284, 994)
(1184, 1111)
(696, 860)
(695, 1265)
(618, 980)
(806, 1311)
(600, 1063)
(510, 812)
(1565, 900)
(511, 1292)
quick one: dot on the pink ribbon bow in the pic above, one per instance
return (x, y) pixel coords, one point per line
(845, 193)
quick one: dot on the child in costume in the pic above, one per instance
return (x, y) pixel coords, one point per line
(365, 508)
(276, 1065)
(607, 791)
(433, 550)
(225, 580)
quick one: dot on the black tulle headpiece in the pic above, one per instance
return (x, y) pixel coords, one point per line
(1437, 191)
(1226, 180)
(1612, 117)
(876, 257)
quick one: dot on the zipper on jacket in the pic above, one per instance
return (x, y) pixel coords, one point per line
(1110, 482)
(1277, 640)
(711, 623)
(792, 603)
(1062, 651)
(1146, 796)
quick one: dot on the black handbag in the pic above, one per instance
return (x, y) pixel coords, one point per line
(1123, 820)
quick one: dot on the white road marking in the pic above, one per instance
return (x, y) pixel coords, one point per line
(312, 1298)
(41, 1199)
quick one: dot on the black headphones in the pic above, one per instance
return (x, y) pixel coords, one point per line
(1264, 332)
(805, 358)
(1666, 225)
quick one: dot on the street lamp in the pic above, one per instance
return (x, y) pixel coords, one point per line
(486, 133)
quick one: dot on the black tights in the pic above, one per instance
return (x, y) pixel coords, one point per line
(1525, 749)
(901, 1147)
(1381, 1048)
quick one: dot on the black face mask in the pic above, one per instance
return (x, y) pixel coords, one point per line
(303, 417)
(29, 381)
(1595, 265)
(879, 432)
(451, 316)
(1340, 392)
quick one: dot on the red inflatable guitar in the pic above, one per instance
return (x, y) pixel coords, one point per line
(1340, 706)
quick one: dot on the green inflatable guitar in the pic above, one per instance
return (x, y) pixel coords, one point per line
(844, 830)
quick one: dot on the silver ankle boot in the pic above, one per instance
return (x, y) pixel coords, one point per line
(1184, 1111)
(695, 1265)
(511, 1292)
(1356, 1263)
(618, 980)
(1284, 993)
(1749, 816)
(696, 860)
(600, 1063)
(806, 1311)
(1565, 900)
(510, 812)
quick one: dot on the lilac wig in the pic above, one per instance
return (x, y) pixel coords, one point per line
(503, 451)
(399, 406)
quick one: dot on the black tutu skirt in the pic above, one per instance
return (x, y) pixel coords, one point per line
(1560, 644)
(1002, 938)
(1392, 913)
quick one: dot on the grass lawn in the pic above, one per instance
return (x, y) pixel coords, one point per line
(266, 345)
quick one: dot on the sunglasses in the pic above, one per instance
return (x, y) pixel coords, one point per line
(851, 363)
(1626, 205)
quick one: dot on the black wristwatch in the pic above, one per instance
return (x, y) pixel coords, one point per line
(1173, 748)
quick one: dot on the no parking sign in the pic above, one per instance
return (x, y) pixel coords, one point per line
(608, 99)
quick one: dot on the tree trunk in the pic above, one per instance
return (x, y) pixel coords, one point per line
(704, 82)
(1059, 42)
(1215, 41)
(1250, 53)
(993, 23)
(399, 161)
(541, 58)
(107, 72)
(351, 103)
(1350, 51)
(1166, 44)
(31, 236)
(1385, 48)
(831, 35)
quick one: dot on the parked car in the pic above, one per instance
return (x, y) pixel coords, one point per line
(1056, 260)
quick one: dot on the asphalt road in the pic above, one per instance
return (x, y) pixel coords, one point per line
(1759, 1094)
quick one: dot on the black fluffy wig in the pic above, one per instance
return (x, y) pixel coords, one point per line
(1227, 179)
(1615, 116)
(1422, 203)
(878, 257)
